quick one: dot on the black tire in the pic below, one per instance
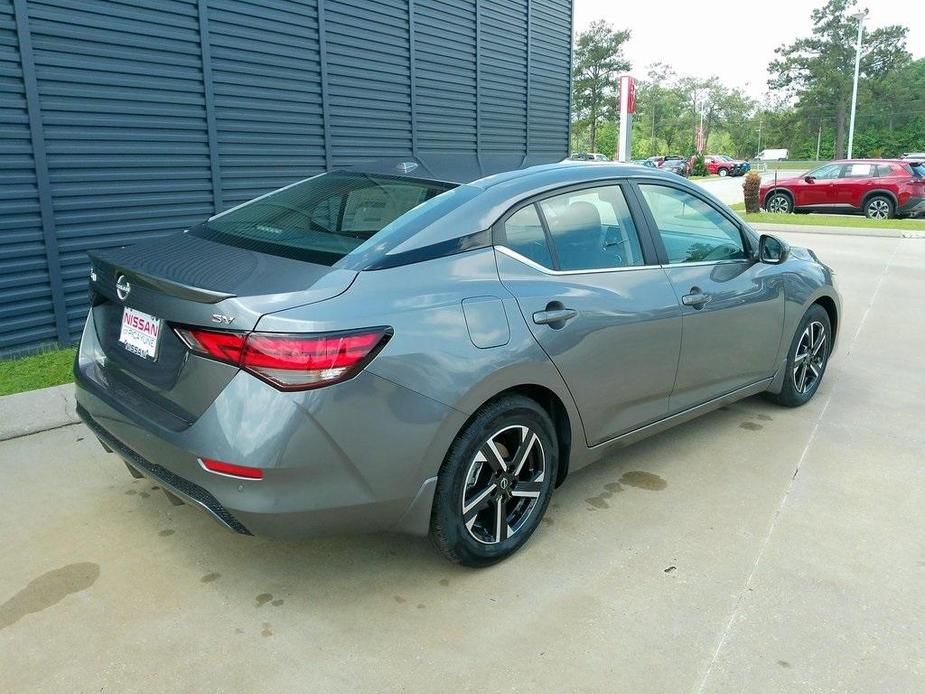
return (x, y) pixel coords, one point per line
(879, 207)
(467, 474)
(723, 172)
(804, 375)
(779, 202)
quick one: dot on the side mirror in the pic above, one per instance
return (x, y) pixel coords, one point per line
(772, 250)
(809, 179)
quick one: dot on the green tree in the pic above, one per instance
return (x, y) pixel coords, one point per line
(819, 69)
(597, 63)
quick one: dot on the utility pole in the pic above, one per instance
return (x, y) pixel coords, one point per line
(857, 70)
(818, 140)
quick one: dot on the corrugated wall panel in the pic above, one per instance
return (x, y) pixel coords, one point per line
(267, 79)
(123, 111)
(444, 32)
(369, 67)
(503, 76)
(550, 60)
(26, 309)
(155, 114)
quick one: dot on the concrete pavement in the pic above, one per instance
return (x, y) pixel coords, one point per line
(756, 549)
(729, 188)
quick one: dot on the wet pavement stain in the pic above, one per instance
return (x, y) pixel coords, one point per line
(444, 581)
(399, 599)
(166, 533)
(144, 495)
(547, 520)
(598, 501)
(263, 599)
(421, 606)
(47, 590)
(643, 480)
(276, 603)
(751, 426)
(784, 663)
(209, 578)
(154, 488)
(131, 492)
(267, 629)
(765, 417)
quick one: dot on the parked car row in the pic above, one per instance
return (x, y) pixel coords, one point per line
(877, 188)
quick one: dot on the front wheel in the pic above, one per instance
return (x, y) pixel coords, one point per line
(808, 358)
(723, 173)
(495, 483)
(779, 202)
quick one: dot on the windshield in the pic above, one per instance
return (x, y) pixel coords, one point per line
(322, 219)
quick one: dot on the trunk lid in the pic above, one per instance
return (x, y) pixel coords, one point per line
(186, 280)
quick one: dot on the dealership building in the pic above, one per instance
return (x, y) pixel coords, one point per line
(121, 121)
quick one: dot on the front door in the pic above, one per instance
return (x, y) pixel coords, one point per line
(818, 187)
(732, 306)
(597, 302)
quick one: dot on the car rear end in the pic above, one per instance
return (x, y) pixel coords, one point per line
(911, 189)
(271, 433)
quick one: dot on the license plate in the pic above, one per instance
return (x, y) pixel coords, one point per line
(140, 333)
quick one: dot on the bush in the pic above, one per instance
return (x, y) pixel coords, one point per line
(699, 168)
(750, 190)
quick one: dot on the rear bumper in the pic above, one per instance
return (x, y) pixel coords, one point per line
(914, 207)
(359, 456)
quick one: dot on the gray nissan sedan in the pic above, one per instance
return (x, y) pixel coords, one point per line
(395, 348)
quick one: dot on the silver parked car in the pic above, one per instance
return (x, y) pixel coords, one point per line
(390, 349)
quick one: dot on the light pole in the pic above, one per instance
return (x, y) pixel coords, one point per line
(857, 69)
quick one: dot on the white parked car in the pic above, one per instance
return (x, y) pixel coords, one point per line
(773, 154)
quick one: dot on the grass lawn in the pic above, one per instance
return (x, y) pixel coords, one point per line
(37, 371)
(831, 220)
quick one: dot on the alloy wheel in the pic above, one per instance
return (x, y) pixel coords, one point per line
(503, 484)
(779, 203)
(809, 358)
(878, 209)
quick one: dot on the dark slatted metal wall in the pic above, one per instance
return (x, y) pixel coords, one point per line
(122, 120)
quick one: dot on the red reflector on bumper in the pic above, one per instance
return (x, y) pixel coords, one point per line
(249, 473)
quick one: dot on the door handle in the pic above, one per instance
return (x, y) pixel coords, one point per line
(553, 316)
(696, 298)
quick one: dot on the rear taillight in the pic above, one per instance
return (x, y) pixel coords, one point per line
(290, 362)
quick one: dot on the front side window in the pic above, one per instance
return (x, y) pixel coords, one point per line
(592, 229)
(322, 219)
(691, 229)
(826, 172)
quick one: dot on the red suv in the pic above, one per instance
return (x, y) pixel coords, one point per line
(880, 188)
(721, 165)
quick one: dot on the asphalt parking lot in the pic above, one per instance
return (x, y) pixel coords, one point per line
(756, 549)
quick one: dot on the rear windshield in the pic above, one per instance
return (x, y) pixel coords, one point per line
(322, 219)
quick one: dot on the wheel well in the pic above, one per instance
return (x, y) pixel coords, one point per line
(829, 306)
(880, 193)
(550, 402)
(783, 191)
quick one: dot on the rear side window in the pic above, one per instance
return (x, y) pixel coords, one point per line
(524, 234)
(322, 219)
(884, 170)
(592, 229)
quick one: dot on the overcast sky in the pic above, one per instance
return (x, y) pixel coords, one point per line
(688, 35)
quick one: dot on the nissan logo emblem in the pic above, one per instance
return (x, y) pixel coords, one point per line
(122, 287)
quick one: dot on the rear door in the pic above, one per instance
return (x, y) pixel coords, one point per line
(592, 293)
(732, 307)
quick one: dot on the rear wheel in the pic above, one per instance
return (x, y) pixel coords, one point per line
(495, 483)
(809, 355)
(723, 172)
(879, 207)
(779, 202)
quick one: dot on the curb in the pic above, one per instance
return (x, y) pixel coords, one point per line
(35, 411)
(838, 231)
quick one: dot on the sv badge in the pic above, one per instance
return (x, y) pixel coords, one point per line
(224, 320)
